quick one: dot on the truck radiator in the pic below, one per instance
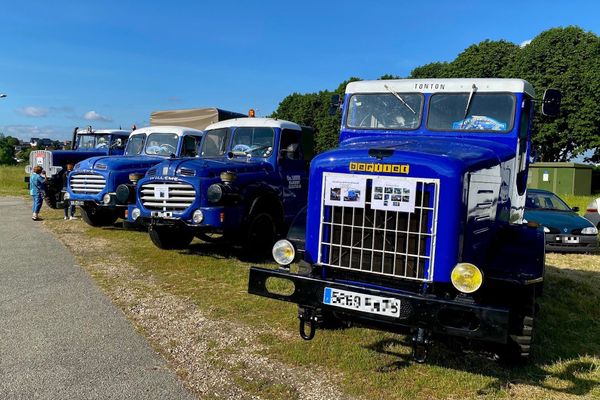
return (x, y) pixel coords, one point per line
(87, 183)
(393, 243)
(167, 196)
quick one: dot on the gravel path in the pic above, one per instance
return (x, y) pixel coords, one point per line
(60, 336)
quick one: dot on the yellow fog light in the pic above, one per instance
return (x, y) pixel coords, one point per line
(466, 277)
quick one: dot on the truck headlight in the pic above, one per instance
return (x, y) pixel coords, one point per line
(466, 277)
(107, 198)
(197, 216)
(215, 193)
(284, 252)
(135, 213)
(66, 196)
(590, 230)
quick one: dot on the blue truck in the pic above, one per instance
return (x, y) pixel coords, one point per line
(93, 183)
(86, 143)
(416, 220)
(247, 185)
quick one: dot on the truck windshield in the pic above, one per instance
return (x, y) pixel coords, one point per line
(254, 142)
(93, 141)
(135, 145)
(485, 112)
(385, 111)
(162, 144)
(214, 143)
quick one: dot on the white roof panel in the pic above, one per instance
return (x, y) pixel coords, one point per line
(255, 123)
(442, 86)
(178, 130)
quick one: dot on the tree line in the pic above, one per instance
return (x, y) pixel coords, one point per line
(564, 58)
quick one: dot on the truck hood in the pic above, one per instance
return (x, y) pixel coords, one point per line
(120, 163)
(212, 167)
(431, 157)
(62, 157)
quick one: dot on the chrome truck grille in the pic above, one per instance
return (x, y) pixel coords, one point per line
(87, 183)
(381, 241)
(167, 196)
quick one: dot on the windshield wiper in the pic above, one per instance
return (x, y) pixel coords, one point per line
(473, 90)
(400, 98)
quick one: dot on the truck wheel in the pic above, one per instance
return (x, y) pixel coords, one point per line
(518, 348)
(95, 217)
(50, 198)
(169, 238)
(260, 234)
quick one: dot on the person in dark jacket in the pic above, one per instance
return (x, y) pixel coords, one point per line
(69, 209)
(37, 189)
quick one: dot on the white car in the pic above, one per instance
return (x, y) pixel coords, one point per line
(592, 212)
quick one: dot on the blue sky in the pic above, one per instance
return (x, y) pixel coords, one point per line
(111, 63)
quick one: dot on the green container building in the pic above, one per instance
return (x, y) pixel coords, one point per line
(561, 177)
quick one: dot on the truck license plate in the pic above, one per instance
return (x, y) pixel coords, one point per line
(76, 202)
(389, 307)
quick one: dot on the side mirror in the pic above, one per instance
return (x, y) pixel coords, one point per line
(576, 209)
(336, 103)
(119, 142)
(551, 102)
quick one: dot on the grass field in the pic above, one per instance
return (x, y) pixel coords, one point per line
(372, 364)
(365, 363)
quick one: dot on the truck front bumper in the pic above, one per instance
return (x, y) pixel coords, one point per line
(443, 316)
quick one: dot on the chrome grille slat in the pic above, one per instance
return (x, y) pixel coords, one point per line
(87, 183)
(180, 196)
(383, 242)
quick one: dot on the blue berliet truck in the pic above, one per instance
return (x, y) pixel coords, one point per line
(416, 219)
(86, 143)
(94, 182)
(247, 185)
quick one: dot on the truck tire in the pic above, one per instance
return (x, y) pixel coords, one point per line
(96, 217)
(519, 346)
(50, 198)
(168, 238)
(260, 235)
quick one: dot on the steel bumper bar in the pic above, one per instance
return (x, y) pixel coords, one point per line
(450, 317)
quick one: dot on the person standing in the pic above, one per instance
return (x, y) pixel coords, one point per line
(69, 209)
(37, 189)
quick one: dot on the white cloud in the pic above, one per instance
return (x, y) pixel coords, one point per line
(32, 111)
(94, 116)
(525, 43)
(25, 132)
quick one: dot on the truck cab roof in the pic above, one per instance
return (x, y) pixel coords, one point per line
(103, 132)
(255, 122)
(441, 85)
(177, 130)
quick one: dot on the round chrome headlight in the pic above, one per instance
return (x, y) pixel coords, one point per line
(590, 230)
(284, 252)
(466, 277)
(135, 213)
(106, 199)
(197, 216)
(215, 193)
(66, 196)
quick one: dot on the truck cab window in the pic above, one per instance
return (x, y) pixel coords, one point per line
(290, 145)
(190, 146)
(85, 142)
(256, 142)
(486, 112)
(214, 143)
(135, 145)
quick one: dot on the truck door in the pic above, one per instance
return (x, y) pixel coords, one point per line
(293, 170)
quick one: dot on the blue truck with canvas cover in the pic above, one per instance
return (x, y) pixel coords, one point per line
(86, 143)
(246, 187)
(416, 220)
(104, 186)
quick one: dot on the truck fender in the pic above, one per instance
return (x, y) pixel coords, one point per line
(270, 203)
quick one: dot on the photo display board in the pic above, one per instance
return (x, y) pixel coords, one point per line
(393, 194)
(345, 190)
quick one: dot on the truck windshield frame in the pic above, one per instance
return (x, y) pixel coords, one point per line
(161, 144)
(135, 144)
(492, 112)
(93, 141)
(384, 111)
